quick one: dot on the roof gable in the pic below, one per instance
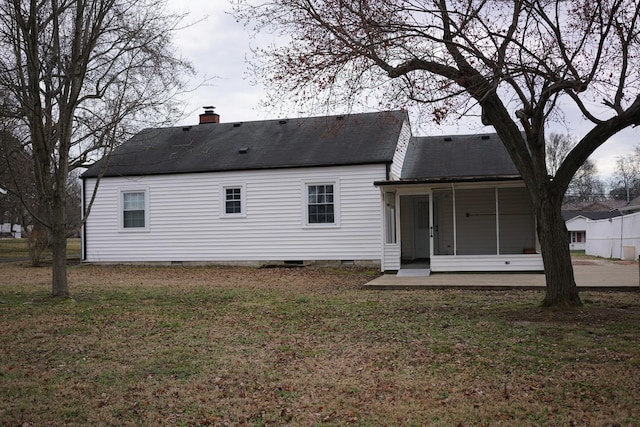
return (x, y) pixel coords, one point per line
(316, 141)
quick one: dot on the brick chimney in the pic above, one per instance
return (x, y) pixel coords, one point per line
(209, 116)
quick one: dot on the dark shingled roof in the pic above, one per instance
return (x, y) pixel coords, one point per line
(463, 157)
(567, 215)
(316, 141)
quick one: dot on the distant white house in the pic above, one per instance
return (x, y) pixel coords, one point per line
(576, 222)
(577, 228)
(11, 230)
(352, 189)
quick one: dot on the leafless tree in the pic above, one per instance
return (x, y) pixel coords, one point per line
(558, 146)
(15, 176)
(81, 76)
(585, 185)
(18, 190)
(516, 64)
(625, 183)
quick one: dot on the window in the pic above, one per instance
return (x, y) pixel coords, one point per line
(233, 201)
(578, 237)
(320, 204)
(390, 216)
(134, 210)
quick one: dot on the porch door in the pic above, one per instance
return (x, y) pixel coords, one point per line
(421, 240)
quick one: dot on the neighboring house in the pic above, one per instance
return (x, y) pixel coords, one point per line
(8, 229)
(632, 207)
(576, 220)
(350, 189)
(577, 226)
(590, 206)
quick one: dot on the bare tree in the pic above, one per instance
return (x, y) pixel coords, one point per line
(19, 196)
(558, 146)
(81, 76)
(514, 62)
(625, 183)
(585, 185)
(16, 177)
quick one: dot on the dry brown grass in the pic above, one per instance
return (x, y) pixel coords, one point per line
(240, 346)
(17, 248)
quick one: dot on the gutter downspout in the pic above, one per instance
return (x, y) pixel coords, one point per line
(83, 240)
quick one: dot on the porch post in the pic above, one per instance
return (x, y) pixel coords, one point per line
(431, 240)
(497, 223)
(455, 224)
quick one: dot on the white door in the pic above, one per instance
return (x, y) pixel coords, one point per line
(421, 228)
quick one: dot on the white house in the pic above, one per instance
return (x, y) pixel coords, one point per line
(351, 189)
(576, 222)
(577, 227)
(8, 229)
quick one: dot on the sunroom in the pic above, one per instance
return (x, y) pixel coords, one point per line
(460, 205)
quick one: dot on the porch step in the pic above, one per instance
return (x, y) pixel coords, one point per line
(414, 272)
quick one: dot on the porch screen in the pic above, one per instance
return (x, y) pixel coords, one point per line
(476, 221)
(517, 224)
(443, 222)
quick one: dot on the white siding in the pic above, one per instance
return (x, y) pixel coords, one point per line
(578, 223)
(531, 262)
(185, 222)
(391, 257)
(401, 151)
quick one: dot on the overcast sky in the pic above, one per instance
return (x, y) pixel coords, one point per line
(218, 47)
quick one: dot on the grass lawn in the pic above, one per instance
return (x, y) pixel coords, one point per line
(17, 248)
(241, 346)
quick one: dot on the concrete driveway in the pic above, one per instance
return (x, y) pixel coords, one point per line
(591, 274)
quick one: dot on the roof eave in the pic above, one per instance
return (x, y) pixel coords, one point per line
(221, 170)
(448, 180)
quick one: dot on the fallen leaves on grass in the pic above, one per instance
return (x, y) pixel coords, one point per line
(239, 346)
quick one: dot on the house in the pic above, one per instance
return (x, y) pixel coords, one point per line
(11, 230)
(577, 215)
(632, 207)
(577, 226)
(351, 189)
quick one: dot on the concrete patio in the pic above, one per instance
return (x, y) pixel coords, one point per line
(590, 275)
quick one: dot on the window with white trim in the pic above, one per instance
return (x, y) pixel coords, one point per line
(134, 210)
(578, 237)
(390, 217)
(233, 201)
(321, 204)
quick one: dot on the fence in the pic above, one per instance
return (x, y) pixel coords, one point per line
(614, 237)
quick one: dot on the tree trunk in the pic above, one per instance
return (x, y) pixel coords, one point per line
(561, 290)
(58, 242)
